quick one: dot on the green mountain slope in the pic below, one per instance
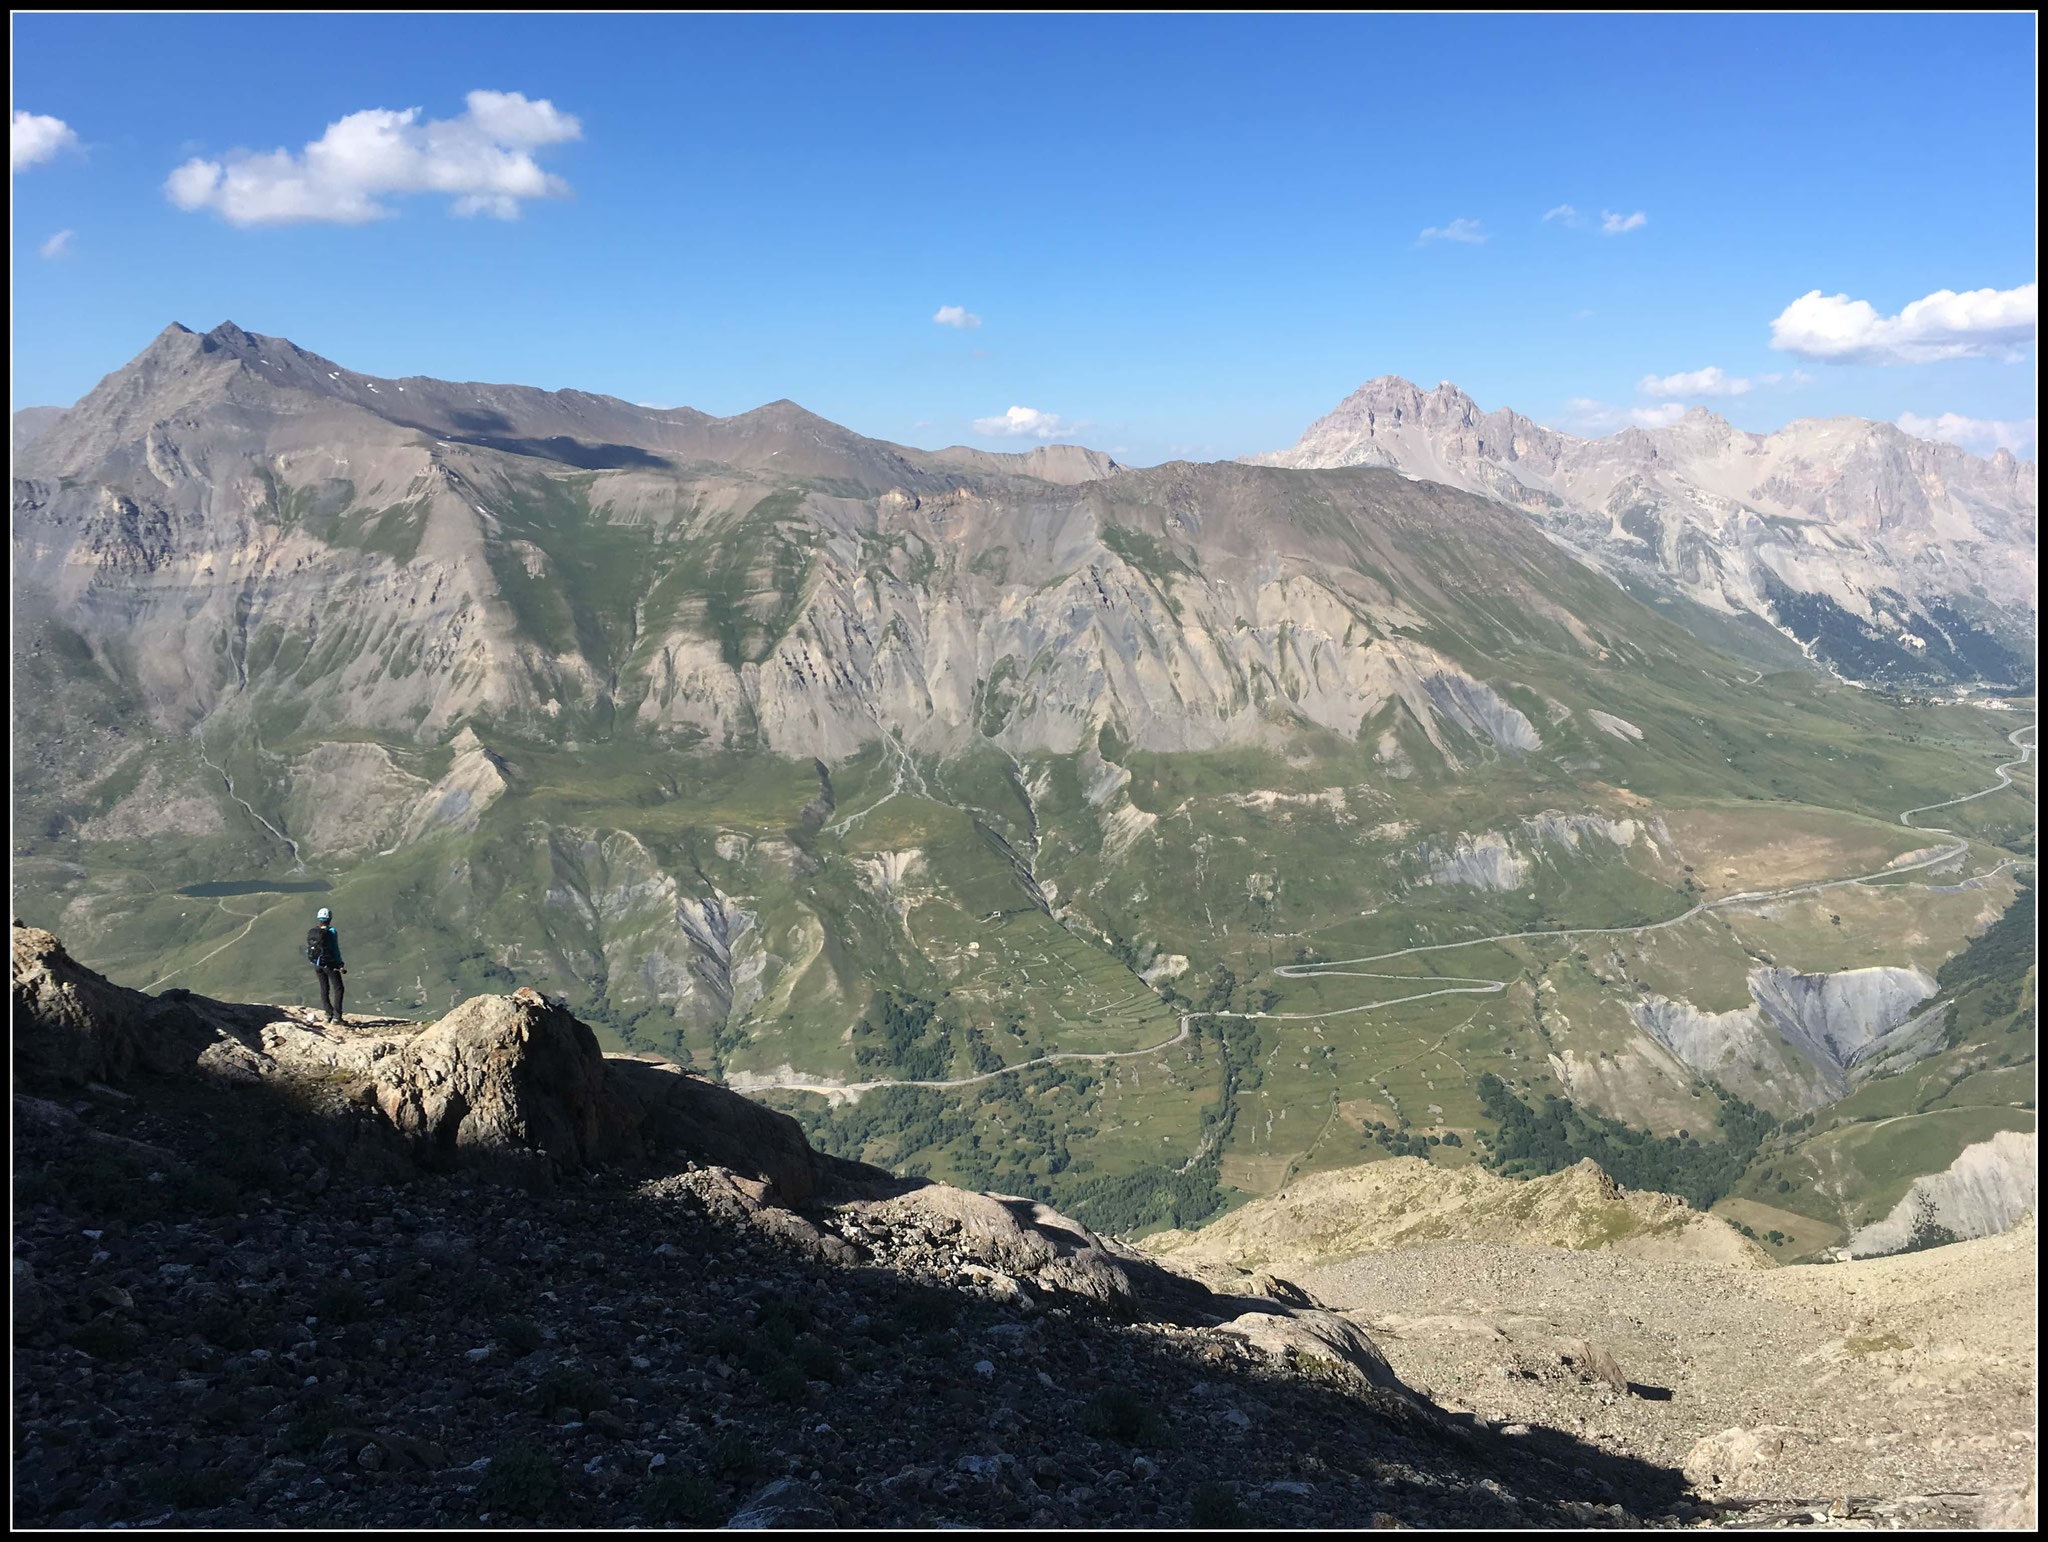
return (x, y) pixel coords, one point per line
(829, 765)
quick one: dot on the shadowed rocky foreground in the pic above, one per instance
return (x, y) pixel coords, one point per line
(270, 1272)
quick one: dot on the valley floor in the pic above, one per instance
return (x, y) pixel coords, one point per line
(1904, 1386)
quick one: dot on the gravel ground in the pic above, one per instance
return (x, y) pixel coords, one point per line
(1898, 1388)
(268, 1343)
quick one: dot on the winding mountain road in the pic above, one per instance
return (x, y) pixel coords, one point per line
(1451, 985)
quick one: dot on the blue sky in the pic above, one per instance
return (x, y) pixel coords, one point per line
(1181, 236)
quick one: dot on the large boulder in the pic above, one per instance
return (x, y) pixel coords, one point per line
(1732, 1460)
(499, 1077)
(1317, 1338)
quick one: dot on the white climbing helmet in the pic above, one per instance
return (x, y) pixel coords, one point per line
(324, 914)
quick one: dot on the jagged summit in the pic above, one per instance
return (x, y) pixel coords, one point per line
(1882, 556)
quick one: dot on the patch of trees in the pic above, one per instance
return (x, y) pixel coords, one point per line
(1993, 969)
(905, 1034)
(1154, 1196)
(1555, 1133)
(1405, 1142)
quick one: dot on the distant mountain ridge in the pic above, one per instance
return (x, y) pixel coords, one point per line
(1886, 557)
(824, 588)
(602, 431)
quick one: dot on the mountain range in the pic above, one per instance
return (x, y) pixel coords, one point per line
(1884, 557)
(1012, 818)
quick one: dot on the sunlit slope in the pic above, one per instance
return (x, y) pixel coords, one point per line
(864, 774)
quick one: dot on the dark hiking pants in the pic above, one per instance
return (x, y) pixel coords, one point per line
(330, 980)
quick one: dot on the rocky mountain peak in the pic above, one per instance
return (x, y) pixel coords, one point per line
(228, 335)
(1928, 576)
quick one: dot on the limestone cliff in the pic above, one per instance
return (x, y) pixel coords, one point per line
(1886, 556)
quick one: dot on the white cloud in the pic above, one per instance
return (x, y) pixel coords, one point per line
(1982, 436)
(1028, 422)
(1700, 382)
(1834, 329)
(1618, 224)
(1565, 213)
(1584, 415)
(481, 158)
(1467, 231)
(35, 138)
(956, 316)
(58, 245)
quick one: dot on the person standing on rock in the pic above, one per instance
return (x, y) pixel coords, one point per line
(323, 952)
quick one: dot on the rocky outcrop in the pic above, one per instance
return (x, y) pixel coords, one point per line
(1987, 1189)
(514, 1088)
(1315, 1336)
(72, 1026)
(1483, 861)
(1409, 1203)
(1022, 1239)
(1501, 862)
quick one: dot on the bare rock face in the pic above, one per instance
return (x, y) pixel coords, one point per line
(1889, 556)
(1988, 1189)
(512, 1085)
(1310, 1334)
(73, 1026)
(259, 527)
(1814, 1035)
(500, 1075)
